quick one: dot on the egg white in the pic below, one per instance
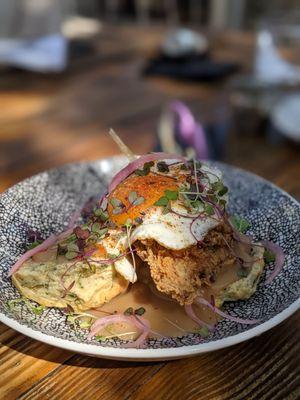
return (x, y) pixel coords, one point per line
(174, 231)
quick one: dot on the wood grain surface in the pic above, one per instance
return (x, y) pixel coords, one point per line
(46, 121)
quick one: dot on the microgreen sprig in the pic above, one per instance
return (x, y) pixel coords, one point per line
(82, 320)
(162, 166)
(118, 206)
(165, 201)
(134, 199)
(146, 169)
(103, 215)
(269, 256)
(139, 311)
(240, 223)
(203, 197)
(37, 310)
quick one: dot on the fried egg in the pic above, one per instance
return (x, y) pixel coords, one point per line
(174, 230)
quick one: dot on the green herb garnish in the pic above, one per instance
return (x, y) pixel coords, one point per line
(98, 231)
(242, 273)
(37, 310)
(217, 186)
(140, 311)
(162, 166)
(34, 244)
(209, 209)
(138, 220)
(142, 172)
(269, 256)
(100, 338)
(82, 321)
(171, 194)
(70, 255)
(128, 222)
(204, 331)
(223, 191)
(132, 197)
(117, 210)
(98, 212)
(146, 169)
(129, 311)
(241, 224)
(138, 201)
(222, 203)
(96, 227)
(162, 202)
(73, 247)
(116, 202)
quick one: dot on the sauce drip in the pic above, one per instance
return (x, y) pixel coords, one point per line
(165, 315)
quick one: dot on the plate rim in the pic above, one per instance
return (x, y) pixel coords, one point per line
(128, 354)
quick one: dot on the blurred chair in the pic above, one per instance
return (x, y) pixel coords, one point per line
(32, 18)
(30, 34)
(143, 10)
(220, 14)
(226, 14)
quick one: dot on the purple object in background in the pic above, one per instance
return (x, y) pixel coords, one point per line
(180, 133)
(189, 130)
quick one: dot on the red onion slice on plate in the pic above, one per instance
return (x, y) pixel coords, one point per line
(190, 312)
(53, 239)
(279, 260)
(204, 302)
(139, 162)
(140, 323)
(144, 325)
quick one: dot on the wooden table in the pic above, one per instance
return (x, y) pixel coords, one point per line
(46, 121)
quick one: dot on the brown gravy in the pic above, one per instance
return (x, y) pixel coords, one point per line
(166, 316)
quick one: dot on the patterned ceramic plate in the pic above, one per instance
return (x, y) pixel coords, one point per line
(45, 202)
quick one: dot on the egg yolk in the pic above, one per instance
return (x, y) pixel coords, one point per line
(151, 187)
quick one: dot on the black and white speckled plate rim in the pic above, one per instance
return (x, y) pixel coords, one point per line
(152, 354)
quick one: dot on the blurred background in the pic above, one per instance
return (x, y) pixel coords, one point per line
(217, 79)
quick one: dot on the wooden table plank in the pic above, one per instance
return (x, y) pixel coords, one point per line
(91, 378)
(254, 369)
(24, 361)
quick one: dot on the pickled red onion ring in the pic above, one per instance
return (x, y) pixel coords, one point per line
(279, 260)
(140, 323)
(190, 312)
(50, 241)
(202, 301)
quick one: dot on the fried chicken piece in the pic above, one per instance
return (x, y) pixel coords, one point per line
(181, 273)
